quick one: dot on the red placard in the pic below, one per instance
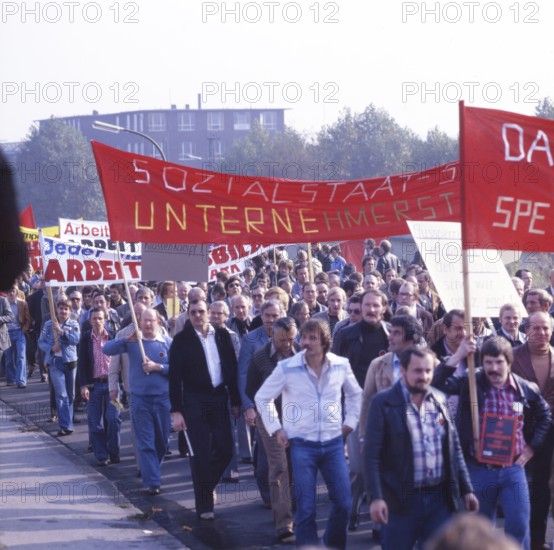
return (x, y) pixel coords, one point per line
(508, 180)
(498, 439)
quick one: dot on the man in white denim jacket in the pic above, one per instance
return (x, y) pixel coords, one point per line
(312, 423)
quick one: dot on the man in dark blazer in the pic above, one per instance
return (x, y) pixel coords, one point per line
(202, 377)
(415, 470)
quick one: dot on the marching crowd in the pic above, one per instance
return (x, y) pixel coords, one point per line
(308, 367)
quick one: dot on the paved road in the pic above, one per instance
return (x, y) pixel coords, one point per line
(53, 492)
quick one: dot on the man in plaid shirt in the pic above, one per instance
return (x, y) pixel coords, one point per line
(501, 395)
(415, 471)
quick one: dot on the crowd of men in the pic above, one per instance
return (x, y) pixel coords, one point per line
(302, 367)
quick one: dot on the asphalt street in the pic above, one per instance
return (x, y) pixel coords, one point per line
(53, 492)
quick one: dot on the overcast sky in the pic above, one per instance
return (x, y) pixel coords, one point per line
(312, 57)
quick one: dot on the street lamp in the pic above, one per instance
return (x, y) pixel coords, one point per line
(107, 127)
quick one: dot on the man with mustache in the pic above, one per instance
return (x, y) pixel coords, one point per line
(500, 393)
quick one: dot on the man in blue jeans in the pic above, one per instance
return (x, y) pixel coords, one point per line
(16, 358)
(415, 470)
(104, 422)
(148, 381)
(311, 383)
(500, 393)
(58, 339)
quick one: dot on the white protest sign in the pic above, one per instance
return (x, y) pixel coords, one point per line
(68, 263)
(440, 246)
(93, 234)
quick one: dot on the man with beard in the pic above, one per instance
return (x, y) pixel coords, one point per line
(534, 361)
(415, 470)
(360, 343)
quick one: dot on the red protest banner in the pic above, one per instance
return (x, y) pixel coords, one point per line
(509, 180)
(152, 201)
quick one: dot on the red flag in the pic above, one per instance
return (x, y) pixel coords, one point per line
(152, 201)
(508, 189)
(353, 252)
(27, 217)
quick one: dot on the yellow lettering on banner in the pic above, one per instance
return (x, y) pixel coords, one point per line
(224, 221)
(252, 223)
(205, 207)
(287, 225)
(433, 215)
(398, 212)
(330, 218)
(304, 220)
(349, 217)
(169, 210)
(137, 225)
(446, 195)
(376, 217)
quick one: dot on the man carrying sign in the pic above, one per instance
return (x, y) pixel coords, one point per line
(514, 420)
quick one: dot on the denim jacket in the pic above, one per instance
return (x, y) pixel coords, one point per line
(68, 341)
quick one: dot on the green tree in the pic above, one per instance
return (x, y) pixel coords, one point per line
(545, 108)
(437, 149)
(56, 173)
(271, 154)
(367, 144)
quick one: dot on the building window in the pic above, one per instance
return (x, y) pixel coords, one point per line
(186, 151)
(241, 121)
(268, 120)
(156, 122)
(215, 122)
(217, 149)
(185, 122)
(156, 153)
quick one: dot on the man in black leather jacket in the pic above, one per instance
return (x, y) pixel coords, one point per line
(502, 396)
